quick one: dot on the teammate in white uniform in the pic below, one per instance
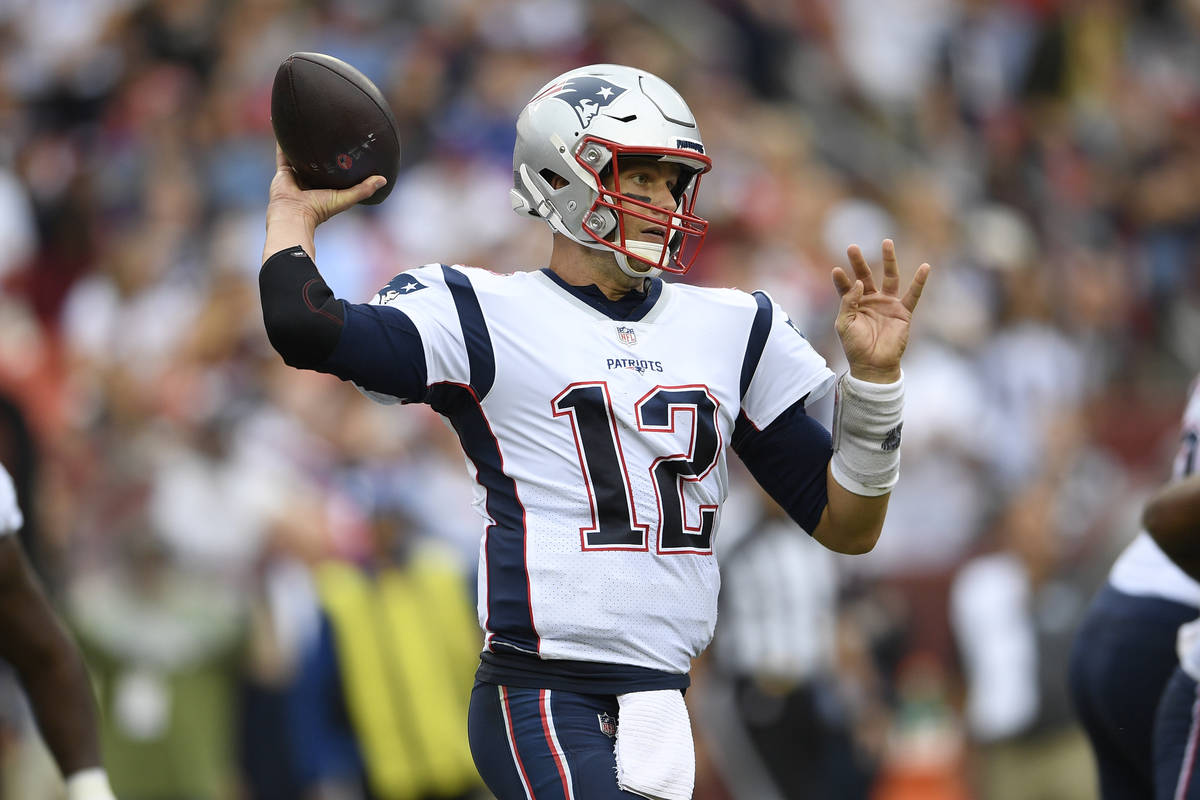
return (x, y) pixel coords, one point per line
(49, 666)
(1172, 519)
(596, 406)
(1124, 652)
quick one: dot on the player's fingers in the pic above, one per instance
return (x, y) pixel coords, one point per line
(359, 192)
(849, 308)
(285, 173)
(891, 270)
(841, 281)
(851, 299)
(862, 270)
(916, 287)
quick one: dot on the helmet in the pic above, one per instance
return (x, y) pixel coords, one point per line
(577, 128)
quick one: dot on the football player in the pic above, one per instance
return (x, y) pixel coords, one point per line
(47, 663)
(1125, 650)
(597, 404)
(1172, 518)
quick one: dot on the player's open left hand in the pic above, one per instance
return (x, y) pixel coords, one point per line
(315, 205)
(873, 321)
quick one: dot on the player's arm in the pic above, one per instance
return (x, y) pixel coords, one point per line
(851, 523)
(873, 324)
(1172, 517)
(305, 322)
(303, 319)
(377, 347)
(790, 459)
(48, 664)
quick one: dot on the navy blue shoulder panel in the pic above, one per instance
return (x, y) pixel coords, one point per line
(759, 329)
(480, 356)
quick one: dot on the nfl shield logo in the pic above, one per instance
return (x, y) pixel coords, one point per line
(626, 335)
(608, 725)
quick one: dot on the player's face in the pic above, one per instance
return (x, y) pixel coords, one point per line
(650, 181)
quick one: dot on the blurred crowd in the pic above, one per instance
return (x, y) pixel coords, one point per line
(183, 487)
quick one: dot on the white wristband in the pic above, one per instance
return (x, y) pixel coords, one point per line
(866, 435)
(89, 784)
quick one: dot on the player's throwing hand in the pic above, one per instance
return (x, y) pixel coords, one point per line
(872, 321)
(315, 205)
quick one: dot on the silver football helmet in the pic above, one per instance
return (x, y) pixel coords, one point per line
(577, 128)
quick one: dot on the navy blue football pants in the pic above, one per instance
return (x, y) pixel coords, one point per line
(1122, 657)
(1176, 738)
(542, 744)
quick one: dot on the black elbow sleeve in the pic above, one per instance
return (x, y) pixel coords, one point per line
(302, 317)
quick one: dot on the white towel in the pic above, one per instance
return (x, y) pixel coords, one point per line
(655, 754)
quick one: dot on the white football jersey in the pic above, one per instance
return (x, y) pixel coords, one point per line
(598, 449)
(1143, 568)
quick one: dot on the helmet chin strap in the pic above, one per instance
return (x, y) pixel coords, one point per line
(648, 250)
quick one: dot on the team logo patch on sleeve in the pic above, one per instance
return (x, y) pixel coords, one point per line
(892, 440)
(587, 95)
(400, 285)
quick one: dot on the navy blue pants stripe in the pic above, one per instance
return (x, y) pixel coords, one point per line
(538, 744)
(1177, 740)
(1123, 655)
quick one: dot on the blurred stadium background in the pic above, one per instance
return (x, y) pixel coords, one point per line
(183, 485)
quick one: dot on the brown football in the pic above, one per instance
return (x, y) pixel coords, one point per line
(333, 124)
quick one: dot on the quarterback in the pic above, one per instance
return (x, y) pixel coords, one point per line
(596, 405)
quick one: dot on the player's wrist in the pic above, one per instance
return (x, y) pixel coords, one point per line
(872, 374)
(288, 230)
(89, 784)
(866, 434)
(286, 213)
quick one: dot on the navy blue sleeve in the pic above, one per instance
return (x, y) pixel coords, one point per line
(789, 459)
(376, 347)
(380, 350)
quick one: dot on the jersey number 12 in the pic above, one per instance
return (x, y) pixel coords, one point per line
(615, 524)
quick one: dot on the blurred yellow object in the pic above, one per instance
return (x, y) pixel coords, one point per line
(407, 645)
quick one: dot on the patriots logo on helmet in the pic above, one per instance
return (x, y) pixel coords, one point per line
(587, 95)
